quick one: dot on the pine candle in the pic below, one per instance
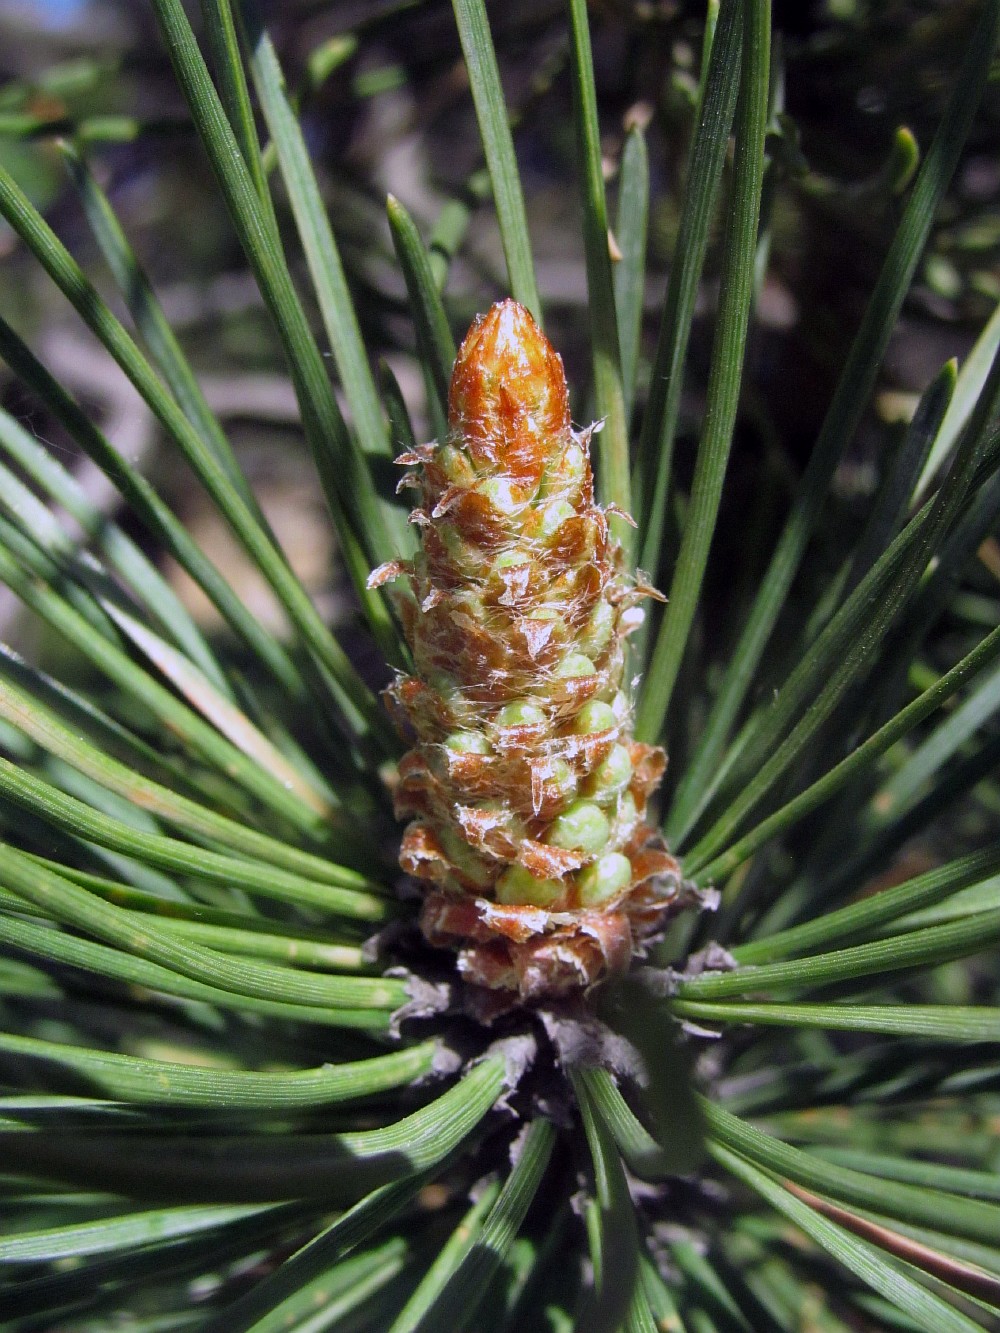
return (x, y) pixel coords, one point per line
(525, 790)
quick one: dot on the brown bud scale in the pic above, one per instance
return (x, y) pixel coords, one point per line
(525, 791)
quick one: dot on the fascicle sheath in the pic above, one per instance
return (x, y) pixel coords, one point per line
(525, 791)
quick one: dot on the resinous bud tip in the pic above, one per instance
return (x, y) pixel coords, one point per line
(508, 404)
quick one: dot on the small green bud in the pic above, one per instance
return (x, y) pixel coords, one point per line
(500, 494)
(583, 827)
(575, 664)
(517, 886)
(604, 879)
(551, 518)
(573, 465)
(471, 602)
(461, 854)
(455, 465)
(613, 774)
(520, 713)
(568, 472)
(511, 559)
(628, 812)
(562, 778)
(463, 553)
(467, 742)
(598, 630)
(594, 716)
(444, 684)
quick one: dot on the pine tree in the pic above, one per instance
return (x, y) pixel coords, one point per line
(240, 1091)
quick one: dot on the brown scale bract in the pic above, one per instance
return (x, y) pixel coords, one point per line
(525, 791)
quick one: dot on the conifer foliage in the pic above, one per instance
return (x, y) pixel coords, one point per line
(239, 1090)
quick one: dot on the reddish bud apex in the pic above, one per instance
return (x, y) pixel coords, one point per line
(508, 399)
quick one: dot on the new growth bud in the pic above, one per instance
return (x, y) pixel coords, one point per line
(524, 789)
